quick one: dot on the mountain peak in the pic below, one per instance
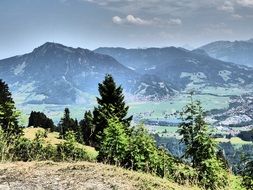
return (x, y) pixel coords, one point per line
(53, 47)
(250, 40)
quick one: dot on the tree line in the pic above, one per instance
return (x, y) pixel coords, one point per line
(108, 128)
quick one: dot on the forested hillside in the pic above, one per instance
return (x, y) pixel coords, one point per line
(117, 142)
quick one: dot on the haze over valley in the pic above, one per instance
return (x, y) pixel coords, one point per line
(162, 87)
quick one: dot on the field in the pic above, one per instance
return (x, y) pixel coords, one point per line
(158, 110)
(152, 110)
(149, 109)
(233, 141)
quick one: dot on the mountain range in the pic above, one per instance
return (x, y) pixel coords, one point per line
(57, 74)
(239, 52)
(181, 67)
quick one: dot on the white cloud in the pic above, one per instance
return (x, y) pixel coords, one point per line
(137, 21)
(117, 20)
(132, 20)
(228, 6)
(245, 3)
(175, 21)
(237, 16)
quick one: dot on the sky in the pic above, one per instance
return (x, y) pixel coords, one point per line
(27, 24)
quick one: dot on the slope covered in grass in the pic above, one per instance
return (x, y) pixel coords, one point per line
(81, 175)
(54, 139)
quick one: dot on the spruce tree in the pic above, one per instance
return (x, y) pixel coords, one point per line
(110, 104)
(8, 113)
(87, 127)
(201, 148)
(67, 123)
(39, 119)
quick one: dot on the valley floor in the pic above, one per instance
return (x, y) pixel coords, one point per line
(80, 175)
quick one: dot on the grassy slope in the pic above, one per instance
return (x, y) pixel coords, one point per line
(53, 138)
(81, 175)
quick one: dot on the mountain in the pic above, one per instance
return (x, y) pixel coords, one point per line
(151, 87)
(181, 67)
(53, 73)
(239, 52)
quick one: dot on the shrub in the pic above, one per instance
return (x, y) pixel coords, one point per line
(115, 142)
(69, 151)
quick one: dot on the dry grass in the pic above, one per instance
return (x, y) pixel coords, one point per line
(53, 138)
(81, 175)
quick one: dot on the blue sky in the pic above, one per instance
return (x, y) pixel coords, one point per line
(26, 24)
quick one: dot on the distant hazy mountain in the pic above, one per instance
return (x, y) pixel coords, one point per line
(53, 73)
(181, 67)
(239, 52)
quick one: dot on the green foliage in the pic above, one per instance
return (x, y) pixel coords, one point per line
(143, 152)
(111, 104)
(247, 174)
(87, 128)
(184, 174)
(29, 150)
(24, 149)
(201, 148)
(8, 114)
(67, 124)
(212, 175)
(136, 150)
(68, 150)
(115, 142)
(4, 148)
(194, 130)
(39, 119)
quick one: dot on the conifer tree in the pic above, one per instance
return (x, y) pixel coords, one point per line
(8, 113)
(39, 119)
(201, 148)
(87, 127)
(67, 123)
(194, 131)
(110, 104)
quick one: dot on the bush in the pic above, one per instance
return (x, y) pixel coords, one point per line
(68, 150)
(115, 144)
(143, 153)
(184, 174)
(3, 146)
(212, 175)
(247, 174)
(24, 149)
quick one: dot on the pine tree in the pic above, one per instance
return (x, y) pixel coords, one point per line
(8, 113)
(67, 124)
(110, 104)
(201, 148)
(194, 131)
(87, 127)
(39, 119)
